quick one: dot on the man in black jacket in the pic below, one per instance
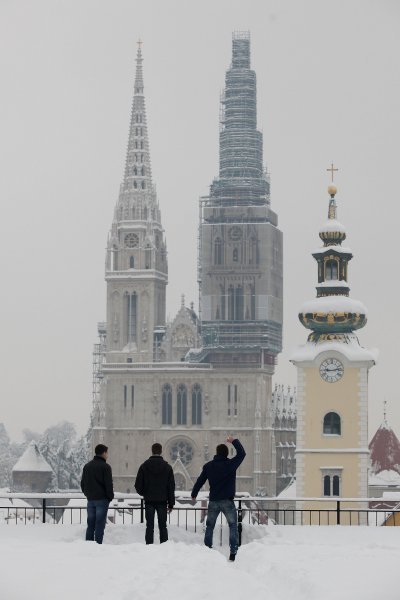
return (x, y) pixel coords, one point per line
(156, 483)
(97, 485)
(221, 475)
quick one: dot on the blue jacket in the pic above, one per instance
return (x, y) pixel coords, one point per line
(221, 475)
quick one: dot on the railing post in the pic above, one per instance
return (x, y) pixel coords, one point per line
(141, 510)
(240, 519)
(43, 510)
(338, 512)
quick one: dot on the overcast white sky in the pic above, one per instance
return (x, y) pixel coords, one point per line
(328, 90)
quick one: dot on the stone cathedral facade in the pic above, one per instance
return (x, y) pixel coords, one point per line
(189, 383)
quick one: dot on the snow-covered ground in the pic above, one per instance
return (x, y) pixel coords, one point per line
(43, 562)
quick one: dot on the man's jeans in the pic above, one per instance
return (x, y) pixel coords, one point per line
(96, 519)
(227, 507)
(161, 509)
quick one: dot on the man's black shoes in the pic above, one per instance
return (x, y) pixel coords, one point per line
(232, 557)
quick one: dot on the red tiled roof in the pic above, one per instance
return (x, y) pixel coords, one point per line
(385, 450)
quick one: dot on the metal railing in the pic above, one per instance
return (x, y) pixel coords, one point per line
(70, 508)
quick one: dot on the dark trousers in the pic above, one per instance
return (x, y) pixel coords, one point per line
(161, 509)
(227, 507)
(96, 520)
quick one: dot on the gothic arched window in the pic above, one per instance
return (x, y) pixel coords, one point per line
(167, 405)
(239, 304)
(143, 171)
(331, 270)
(181, 405)
(143, 185)
(235, 255)
(196, 404)
(131, 317)
(135, 184)
(131, 262)
(218, 258)
(134, 170)
(332, 424)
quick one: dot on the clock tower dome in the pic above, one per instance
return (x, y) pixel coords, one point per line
(332, 390)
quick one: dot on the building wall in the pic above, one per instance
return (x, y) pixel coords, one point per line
(130, 431)
(319, 454)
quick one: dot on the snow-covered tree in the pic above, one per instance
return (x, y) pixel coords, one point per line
(65, 454)
(5, 458)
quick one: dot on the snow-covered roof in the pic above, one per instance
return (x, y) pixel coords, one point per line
(289, 491)
(384, 478)
(333, 283)
(385, 450)
(332, 248)
(334, 304)
(332, 225)
(348, 345)
(32, 460)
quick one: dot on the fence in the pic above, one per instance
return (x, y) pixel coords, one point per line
(70, 509)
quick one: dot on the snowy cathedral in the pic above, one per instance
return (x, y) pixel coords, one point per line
(191, 382)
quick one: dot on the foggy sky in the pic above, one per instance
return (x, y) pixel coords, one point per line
(328, 90)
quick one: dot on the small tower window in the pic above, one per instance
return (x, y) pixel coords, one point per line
(327, 485)
(134, 170)
(331, 481)
(143, 171)
(143, 185)
(131, 262)
(332, 424)
(235, 255)
(331, 270)
(141, 145)
(135, 184)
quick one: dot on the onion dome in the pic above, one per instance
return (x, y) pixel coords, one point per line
(332, 311)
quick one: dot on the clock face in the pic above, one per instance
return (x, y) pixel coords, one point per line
(331, 370)
(235, 233)
(131, 240)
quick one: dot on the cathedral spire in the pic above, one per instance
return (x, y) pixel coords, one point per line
(137, 175)
(139, 70)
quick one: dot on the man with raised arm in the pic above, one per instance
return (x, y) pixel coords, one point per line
(221, 475)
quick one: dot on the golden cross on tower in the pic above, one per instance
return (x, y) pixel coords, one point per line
(332, 169)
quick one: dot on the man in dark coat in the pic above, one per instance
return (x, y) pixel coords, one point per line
(97, 485)
(221, 475)
(156, 483)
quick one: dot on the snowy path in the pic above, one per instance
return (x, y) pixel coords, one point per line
(43, 562)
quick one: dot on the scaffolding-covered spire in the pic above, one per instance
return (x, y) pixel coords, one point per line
(242, 175)
(137, 175)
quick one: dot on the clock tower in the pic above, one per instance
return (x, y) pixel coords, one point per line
(332, 390)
